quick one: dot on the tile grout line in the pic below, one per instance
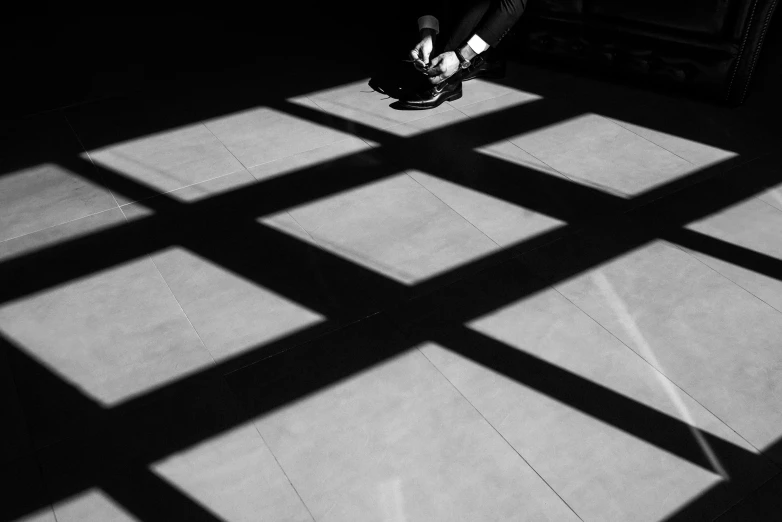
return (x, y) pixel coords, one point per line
(89, 156)
(616, 122)
(315, 242)
(214, 362)
(500, 434)
(157, 269)
(574, 180)
(657, 370)
(283, 472)
(406, 173)
(263, 441)
(520, 148)
(203, 123)
(766, 202)
(164, 193)
(682, 249)
(287, 212)
(452, 209)
(295, 153)
(303, 229)
(60, 224)
(350, 136)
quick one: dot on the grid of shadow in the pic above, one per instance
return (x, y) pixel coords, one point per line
(218, 229)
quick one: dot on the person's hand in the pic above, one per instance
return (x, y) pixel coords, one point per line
(421, 52)
(443, 66)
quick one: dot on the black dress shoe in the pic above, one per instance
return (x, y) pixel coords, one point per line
(483, 66)
(447, 90)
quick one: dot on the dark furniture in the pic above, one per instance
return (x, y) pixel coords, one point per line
(707, 47)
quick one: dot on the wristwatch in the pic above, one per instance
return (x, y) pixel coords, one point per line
(463, 62)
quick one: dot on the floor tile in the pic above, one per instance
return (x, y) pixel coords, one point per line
(756, 226)
(284, 222)
(191, 194)
(593, 465)
(699, 154)
(168, 160)
(109, 470)
(358, 102)
(429, 124)
(397, 442)
(711, 337)
(395, 227)
(501, 221)
(478, 90)
(679, 118)
(45, 195)
(235, 476)
(230, 313)
(30, 243)
(263, 134)
(114, 334)
(497, 187)
(598, 152)
(479, 107)
(311, 159)
(510, 153)
(772, 196)
(475, 153)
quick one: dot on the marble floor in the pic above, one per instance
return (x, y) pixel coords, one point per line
(553, 299)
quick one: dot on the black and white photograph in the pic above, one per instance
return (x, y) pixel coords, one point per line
(415, 261)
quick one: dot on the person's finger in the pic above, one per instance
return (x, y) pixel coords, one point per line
(435, 70)
(414, 54)
(434, 80)
(425, 55)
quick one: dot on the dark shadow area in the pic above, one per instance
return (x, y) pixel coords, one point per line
(80, 444)
(763, 505)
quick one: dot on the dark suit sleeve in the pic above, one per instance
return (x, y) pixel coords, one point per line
(499, 19)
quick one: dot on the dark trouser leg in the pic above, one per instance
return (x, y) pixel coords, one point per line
(462, 19)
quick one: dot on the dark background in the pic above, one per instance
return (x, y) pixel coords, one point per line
(59, 55)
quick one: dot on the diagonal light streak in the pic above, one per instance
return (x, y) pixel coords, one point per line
(639, 341)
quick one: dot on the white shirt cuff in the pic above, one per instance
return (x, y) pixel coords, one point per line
(429, 22)
(477, 44)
